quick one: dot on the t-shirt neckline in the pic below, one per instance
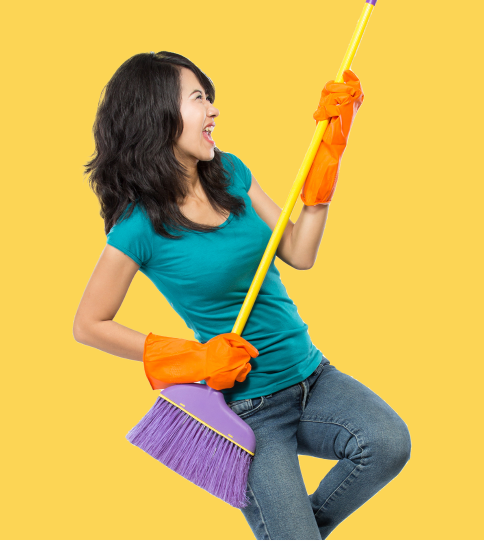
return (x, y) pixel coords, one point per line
(226, 221)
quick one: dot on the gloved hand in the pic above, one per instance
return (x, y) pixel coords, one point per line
(340, 102)
(222, 361)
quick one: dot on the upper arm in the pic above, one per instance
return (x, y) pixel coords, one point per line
(106, 289)
(269, 212)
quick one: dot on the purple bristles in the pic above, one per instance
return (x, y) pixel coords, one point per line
(194, 451)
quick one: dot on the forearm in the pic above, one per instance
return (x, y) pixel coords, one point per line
(307, 234)
(112, 338)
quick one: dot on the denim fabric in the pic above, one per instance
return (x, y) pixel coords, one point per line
(328, 415)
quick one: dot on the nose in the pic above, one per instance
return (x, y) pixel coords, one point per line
(212, 110)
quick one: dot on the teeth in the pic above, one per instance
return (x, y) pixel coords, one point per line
(209, 129)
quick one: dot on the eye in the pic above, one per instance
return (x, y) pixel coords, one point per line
(209, 99)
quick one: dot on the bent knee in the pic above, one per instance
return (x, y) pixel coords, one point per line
(391, 447)
(402, 446)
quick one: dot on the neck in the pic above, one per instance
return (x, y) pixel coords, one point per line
(193, 178)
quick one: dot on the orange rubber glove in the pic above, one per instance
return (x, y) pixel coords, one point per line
(222, 361)
(340, 102)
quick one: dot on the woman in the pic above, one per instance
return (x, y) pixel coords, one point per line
(157, 173)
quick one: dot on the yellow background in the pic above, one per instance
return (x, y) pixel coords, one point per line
(394, 299)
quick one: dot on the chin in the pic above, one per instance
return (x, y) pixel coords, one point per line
(208, 158)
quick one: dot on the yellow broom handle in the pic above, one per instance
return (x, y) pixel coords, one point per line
(300, 179)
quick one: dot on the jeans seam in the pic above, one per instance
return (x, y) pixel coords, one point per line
(317, 373)
(334, 423)
(259, 508)
(358, 466)
(252, 410)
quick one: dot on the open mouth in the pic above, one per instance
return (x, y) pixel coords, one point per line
(208, 136)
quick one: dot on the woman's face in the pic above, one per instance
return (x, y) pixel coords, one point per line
(197, 112)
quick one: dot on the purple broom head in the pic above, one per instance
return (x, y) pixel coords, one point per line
(191, 430)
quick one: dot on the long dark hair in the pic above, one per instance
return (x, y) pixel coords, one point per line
(134, 131)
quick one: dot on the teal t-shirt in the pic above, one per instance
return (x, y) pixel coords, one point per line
(206, 276)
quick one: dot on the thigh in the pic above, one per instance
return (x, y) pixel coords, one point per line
(343, 418)
(279, 505)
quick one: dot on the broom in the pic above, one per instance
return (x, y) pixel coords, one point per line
(190, 428)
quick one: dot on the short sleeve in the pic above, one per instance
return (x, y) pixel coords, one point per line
(133, 236)
(242, 172)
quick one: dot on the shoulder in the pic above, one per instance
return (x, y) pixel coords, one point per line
(133, 235)
(136, 220)
(231, 159)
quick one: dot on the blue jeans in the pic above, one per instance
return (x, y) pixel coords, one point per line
(328, 415)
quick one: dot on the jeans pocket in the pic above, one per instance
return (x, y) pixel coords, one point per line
(248, 406)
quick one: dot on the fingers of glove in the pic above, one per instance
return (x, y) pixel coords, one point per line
(339, 94)
(243, 373)
(332, 89)
(251, 350)
(228, 373)
(338, 129)
(350, 78)
(335, 104)
(226, 379)
(350, 85)
(216, 384)
(326, 110)
(357, 94)
(236, 341)
(221, 357)
(220, 382)
(227, 360)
